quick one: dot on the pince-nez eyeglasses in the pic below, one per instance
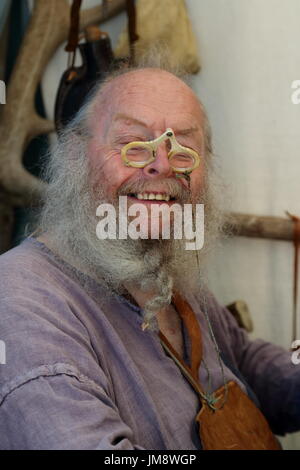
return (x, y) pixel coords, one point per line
(183, 160)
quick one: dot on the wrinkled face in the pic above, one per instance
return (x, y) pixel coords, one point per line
(140, 106)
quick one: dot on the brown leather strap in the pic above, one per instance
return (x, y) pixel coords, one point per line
(74, 26)
(238, 424)
(190, 321)
(73, 31)
(296, 221)
(185, 369)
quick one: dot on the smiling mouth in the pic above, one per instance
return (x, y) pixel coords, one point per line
(152, 197)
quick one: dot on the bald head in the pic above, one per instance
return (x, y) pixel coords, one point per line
(159, 83)
(156, 93)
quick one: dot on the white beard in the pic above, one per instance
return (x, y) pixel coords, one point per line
(69, 220)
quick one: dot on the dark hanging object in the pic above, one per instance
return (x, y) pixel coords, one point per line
(77, 82)
(97, 57)
(131, 26)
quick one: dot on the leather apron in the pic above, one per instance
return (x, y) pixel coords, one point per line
(237, 423)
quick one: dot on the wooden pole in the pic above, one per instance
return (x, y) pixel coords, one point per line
(256, 226)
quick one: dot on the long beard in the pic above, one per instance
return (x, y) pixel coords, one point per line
(157, 266)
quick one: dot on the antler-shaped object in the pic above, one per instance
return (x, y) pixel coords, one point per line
(47, 29)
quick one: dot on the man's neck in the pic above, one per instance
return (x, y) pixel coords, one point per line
(137, 296)
(169, 320)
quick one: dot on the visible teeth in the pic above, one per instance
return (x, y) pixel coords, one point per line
(151, 196)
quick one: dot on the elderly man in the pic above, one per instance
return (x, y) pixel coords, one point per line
(117, 344)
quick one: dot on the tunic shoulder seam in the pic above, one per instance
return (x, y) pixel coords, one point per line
(47, 370)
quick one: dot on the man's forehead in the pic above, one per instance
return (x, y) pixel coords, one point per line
(148, 85)
(128, 120)
(149, 97)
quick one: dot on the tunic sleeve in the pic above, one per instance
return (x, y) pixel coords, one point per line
(57, 407)
(54, 391)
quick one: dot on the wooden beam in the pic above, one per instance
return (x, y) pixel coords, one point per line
(256, 226)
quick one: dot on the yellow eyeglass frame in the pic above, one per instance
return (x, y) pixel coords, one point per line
(152, 145)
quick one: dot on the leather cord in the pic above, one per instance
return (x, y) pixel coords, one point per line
(132, 36)
(73, 31)
(296, 221)
(75, 23)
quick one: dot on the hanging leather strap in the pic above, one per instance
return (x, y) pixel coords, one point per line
(185, 369)
(189, 319)
(75, 23)
(296, 221)
(74, 30)
(238, 424)
(132, 36)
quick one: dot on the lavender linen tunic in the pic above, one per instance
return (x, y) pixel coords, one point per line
(81, 374)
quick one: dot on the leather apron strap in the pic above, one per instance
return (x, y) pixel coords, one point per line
(238, 424)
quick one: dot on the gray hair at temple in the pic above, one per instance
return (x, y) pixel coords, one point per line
(68, 215)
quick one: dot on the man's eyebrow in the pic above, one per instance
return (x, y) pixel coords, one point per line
(125, 117)
(188, 131)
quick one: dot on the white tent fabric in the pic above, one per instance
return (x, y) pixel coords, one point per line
(250, 55)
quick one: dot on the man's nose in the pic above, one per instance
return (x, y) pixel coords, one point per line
(161, 165)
